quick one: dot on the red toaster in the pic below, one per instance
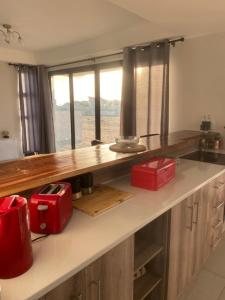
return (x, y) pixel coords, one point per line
(50, 208)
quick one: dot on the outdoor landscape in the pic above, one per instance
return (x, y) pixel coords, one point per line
(85, 122)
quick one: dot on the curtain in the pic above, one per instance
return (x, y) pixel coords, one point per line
(145, 90)
(36, 110)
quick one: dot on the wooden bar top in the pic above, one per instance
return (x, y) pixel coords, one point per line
(31, 172)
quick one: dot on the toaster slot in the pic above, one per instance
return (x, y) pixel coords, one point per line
(52, 189)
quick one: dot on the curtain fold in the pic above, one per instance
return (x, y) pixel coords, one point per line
(128, 99)
(145, 90)
(36, 110)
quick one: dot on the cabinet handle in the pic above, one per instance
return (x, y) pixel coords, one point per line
(218, 205)
(192, 211)
(98, 284)
(196, 220)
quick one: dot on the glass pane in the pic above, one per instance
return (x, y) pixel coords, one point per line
(84, 105)
(61, 108)
(110, 93)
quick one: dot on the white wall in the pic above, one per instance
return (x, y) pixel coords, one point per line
(9, 105)
(17, 56)
(197, 82)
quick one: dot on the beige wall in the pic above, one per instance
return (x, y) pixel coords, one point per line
(197, 82)
(9, 107)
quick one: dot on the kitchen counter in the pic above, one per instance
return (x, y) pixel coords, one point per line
(58, 257)
(31, 172)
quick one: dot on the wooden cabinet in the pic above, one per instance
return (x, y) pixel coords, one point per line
(108, 278)
(111, 276)
(196, 229)
(181, 247)
(72, 289)
(150, 260)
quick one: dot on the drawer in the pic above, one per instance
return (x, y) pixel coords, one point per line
(217, 190)
(217, 234)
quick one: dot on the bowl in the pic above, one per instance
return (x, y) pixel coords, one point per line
(127, 140)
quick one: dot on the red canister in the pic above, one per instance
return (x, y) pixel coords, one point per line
(15, 239)
(153, 174)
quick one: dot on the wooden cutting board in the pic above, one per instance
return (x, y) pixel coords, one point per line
(103, 198)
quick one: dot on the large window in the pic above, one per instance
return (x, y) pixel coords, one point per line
(87, 104)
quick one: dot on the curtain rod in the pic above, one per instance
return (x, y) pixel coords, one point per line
(171, 42)
(20, 65)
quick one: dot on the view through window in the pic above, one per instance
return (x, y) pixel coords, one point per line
(74, 99)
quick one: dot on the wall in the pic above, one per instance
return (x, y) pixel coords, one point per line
(197, 82)
(17, 56)
(9, 112)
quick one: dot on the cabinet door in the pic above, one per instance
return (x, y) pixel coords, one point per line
(117, 272)
(214, 194)
(111, 276)
(200, 221)
(181, 247)
(72, 289)
(93, 280)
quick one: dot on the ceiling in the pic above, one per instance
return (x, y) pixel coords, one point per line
(65, 29)
(189, 18)
(54, 23)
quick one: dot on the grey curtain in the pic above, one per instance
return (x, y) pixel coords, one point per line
(36, 110)
(145, 90)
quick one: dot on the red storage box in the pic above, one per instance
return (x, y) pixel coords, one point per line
(153, 174)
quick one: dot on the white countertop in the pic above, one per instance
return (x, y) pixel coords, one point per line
(58, 257)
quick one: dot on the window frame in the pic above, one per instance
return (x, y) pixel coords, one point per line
(96, 68)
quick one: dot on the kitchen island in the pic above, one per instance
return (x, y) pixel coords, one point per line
(85, 239)
(31, 172)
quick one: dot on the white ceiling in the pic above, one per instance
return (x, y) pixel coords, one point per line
(52, 23)
(180, 17)
(60, 30)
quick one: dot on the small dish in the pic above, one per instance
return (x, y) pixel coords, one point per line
(127, 140)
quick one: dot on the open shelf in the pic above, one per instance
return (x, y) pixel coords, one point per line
(144, 253)
(144, 285)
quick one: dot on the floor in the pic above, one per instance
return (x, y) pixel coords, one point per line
(210, 283)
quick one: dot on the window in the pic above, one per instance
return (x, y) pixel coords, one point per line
(84, 108)
(87, 104)
(61, 110)
(110, 103)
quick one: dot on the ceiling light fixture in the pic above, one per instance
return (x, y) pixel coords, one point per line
(9, 34)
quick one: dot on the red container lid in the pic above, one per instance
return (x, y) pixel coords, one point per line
(156, 164)
(9, 203)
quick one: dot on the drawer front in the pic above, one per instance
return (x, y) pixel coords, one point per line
(219, 213)
(217, 234)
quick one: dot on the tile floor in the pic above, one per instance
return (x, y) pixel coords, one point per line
(210, 283)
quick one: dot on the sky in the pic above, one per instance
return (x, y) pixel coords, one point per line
(84, 87)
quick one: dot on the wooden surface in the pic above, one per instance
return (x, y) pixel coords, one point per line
(71, 289)
(103, 198)
(144, 285)
(111, 276)
(121, 149)
(196, 229)
(31, 172)
(108, 278)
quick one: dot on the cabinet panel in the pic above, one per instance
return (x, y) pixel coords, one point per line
(72, 289)
(111, 276)
(93, 280)
(181, 247)
(117, 272)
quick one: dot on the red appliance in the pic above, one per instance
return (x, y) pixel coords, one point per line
(15, 240)
(153, 174)
(50, 208)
